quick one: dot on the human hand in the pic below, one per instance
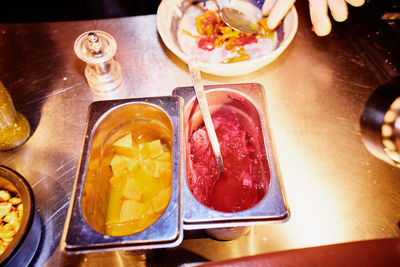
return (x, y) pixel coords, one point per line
(277, 9)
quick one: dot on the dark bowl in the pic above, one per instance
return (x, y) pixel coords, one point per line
(25, 242)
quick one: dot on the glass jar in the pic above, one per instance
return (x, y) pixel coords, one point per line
(14, 127)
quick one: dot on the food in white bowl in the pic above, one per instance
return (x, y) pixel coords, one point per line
(212, 41)
(176, 24)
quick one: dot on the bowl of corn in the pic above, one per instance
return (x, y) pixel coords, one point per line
(20, 226)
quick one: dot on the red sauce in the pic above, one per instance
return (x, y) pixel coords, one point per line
(244, 180)
(207, 43)
(245, 40)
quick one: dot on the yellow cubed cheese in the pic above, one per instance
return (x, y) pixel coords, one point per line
(160, 202)
(132, 210)
(118, 163)
(131, 191)
(125, 146)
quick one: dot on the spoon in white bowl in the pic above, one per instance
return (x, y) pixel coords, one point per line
(242, 15)
(201, 98)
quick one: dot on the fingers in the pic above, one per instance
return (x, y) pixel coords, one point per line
(338, 9)
(355, 3)
(319, 17)
(267, 7)
(278, 12)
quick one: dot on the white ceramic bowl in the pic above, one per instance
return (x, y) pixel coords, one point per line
(175, 15)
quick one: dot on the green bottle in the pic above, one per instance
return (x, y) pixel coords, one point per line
(14, 127)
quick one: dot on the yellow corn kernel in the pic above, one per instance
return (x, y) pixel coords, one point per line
(7, 227)
(7, 240)
(6, 234)
(10, 216)
(4, 195)
(20, 209)
(5, 208)
(14, 221)
(15, 200)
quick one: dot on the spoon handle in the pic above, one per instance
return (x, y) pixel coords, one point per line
(201, 98)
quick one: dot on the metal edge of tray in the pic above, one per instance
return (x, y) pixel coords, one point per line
(275, 201)
(76, 227)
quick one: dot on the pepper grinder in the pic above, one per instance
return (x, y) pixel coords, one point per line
(97, 49)
(14, 127)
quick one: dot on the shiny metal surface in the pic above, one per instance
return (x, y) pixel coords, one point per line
(249, 101)
(336, 190)
(107, 122)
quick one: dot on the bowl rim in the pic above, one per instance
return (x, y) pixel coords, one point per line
(28, 211)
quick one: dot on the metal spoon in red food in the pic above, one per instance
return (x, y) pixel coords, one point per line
(201, 98)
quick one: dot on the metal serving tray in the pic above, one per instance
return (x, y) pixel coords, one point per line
(272, 207)
(84, 229)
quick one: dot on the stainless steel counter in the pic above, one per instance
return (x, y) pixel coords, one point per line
(335, 189)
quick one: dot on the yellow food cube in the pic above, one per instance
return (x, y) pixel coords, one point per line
(144, 151)
(156, 169)
(125, 146)
(147, 166)
(166, 156)
(114, 202)
(150, 211)
(5, 208)
(148, 185)
(120, 229)
(132, 164)
(155, 148)
(166, 178)
(118, 163)
(119, 178)
(161, 167)
(131, 191)
(160, 202)
(132, 210)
